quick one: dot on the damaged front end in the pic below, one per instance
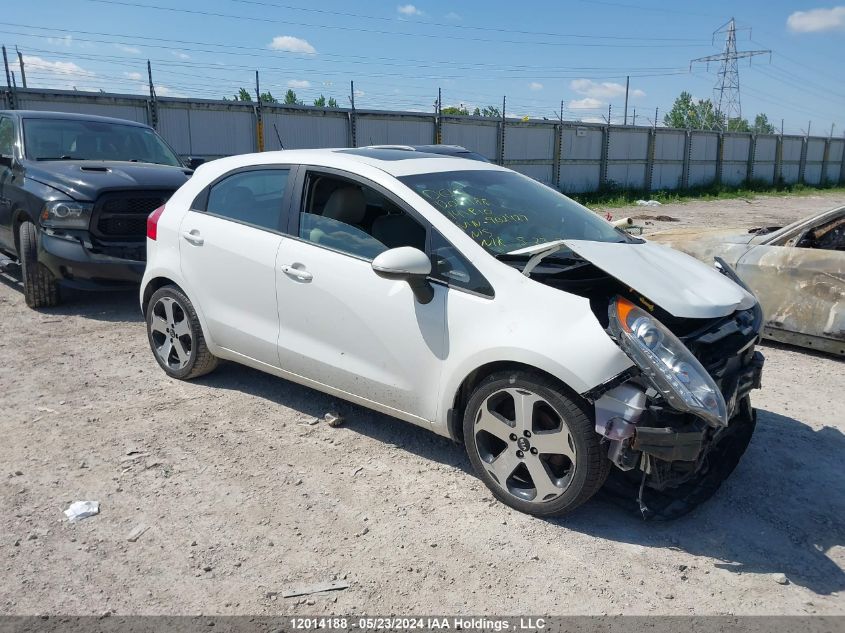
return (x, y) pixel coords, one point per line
(676, 426)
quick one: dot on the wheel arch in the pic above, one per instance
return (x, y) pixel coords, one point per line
(461, 397)
(154, 284)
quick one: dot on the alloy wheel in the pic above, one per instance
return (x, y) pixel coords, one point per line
(525, 445)
(171, 333)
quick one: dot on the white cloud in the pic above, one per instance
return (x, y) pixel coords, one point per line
(180, 54)
(133, 76)
(816, 20)
(604, 90)
(291, 44)
(132, 50)
(360, 93)
(299, 83)
(592, 119)
(164, 91)
(408, 10)
(63, 69)
(587, 103)
(67, 40)
(453, 16)
(535, 85)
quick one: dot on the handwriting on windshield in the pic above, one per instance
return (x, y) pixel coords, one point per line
(470, 212)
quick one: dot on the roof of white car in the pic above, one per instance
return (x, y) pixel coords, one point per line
(396, 162)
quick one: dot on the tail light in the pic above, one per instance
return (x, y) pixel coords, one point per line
(152, 222)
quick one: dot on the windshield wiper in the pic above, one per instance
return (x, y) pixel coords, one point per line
(64, 157)
(538, 253)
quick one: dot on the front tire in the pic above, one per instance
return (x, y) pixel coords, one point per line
(532, 445)
(40, 288)
(175, 335)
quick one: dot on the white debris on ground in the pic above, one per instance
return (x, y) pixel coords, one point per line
(648, 203)
(79, 510)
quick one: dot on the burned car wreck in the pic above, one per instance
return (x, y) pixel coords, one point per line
(676, 424)
(797, 272)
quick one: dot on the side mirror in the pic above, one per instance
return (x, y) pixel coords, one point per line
(194, 162)
(409, 264)
(7, 160)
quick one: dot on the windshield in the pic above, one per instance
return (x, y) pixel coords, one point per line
(505, 211)
(69, 139)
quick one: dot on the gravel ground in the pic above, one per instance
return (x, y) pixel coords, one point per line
(746, 213)
(245, 498)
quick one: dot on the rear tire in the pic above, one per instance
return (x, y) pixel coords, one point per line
(533, 446)
(40, 288)
(175, 335)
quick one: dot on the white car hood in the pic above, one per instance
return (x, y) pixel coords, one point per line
(681, 285)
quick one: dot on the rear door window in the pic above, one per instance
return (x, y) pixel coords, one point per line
(254, 197)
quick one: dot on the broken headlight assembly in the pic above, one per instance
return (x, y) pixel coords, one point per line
(666, 362)
(66, 214)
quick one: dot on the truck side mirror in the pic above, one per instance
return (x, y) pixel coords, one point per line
(195, 161)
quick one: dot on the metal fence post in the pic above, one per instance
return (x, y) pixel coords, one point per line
(842, 165)
(778, 175)
(752, 155)
(605, 147)
(650, 152)
(720, 155)
(558, 149)
(687, 158)
(802, 166)
(825, 160)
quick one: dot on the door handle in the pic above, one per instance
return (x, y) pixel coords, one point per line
(300, 274)
(193, 237)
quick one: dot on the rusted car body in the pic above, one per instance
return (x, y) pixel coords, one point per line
(797, 273)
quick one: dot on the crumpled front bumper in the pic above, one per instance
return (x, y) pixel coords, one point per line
(75, 265)
(686, 443)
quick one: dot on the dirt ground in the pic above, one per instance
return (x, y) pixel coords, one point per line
(245, 499)
(736, 212)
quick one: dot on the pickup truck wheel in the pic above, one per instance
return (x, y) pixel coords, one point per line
(534, 447)
(40, 288)
(175, 335)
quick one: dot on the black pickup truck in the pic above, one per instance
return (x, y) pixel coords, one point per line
(75, 193)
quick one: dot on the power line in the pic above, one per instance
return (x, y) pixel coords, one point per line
(264, 50)
(457, 26)
(233, 16)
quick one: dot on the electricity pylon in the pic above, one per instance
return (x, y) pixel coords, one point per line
(726, 92)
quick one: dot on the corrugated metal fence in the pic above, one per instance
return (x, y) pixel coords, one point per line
(575, 157)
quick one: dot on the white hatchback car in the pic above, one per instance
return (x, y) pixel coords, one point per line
(470, 300)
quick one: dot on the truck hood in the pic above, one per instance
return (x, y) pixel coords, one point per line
(85, 180)
(678, 283)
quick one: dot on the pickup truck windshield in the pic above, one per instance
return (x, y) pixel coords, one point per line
(505, 211)
(69, 139)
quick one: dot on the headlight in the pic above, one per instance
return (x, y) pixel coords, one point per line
(66, 214)
(670, 366)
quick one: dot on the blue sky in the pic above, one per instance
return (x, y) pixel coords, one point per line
(398, 54)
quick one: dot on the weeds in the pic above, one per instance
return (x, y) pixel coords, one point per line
(614, 196)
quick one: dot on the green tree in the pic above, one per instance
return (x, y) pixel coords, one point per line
(687, 113)
(290, 98)
(491, 112)
(333, 102)
(738, 125)
(320, 101)
(243, 95)
(266, 97)
(762, 125)
(455, 110)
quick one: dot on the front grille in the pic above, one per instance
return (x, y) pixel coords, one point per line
(726, 350)
(123, 214)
